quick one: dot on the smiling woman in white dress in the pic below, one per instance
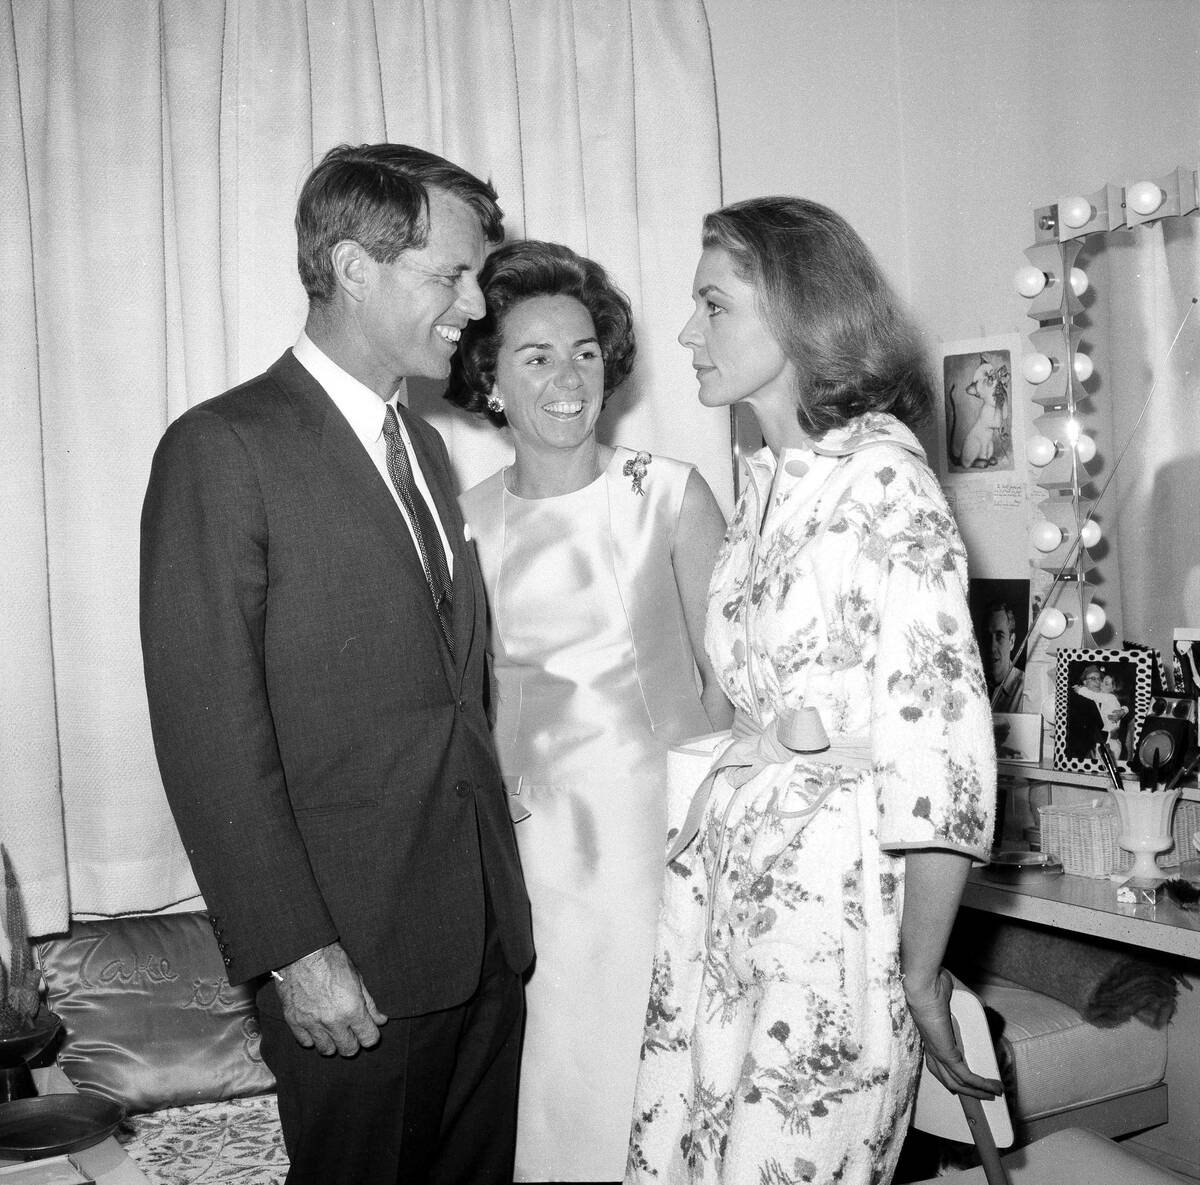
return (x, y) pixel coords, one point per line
(596, 561)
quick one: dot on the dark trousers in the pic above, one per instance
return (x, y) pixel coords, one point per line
(435, 1101)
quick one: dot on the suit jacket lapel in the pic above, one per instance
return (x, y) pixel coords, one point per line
(356, 474)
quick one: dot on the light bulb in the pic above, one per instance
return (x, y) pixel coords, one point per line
(1029, 280)
(1036, 368)
(1079, 281)
(1046, 536)
(1089, 534)
(1075, 211)
(1082, 366)
(1085, 448)
(1094, 617)
(1053, 623)
(1145, 197)
(1040, 450)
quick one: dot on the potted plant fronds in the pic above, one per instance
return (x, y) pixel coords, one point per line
(26, 1025)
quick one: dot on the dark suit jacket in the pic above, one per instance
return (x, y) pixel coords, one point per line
(328, 764)
(1085, 726)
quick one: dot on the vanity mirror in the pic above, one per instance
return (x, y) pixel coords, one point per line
(1126, 233)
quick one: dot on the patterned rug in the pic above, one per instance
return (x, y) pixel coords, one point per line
(232, 1143)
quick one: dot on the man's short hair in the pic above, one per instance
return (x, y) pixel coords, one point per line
(1008, 611)
(378, 195)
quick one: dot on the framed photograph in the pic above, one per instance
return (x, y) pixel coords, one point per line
(1000, 616)
(1185, 661)
(978, 410)
(1018, 736)
(1100, 697)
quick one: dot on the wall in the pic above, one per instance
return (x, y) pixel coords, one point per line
(936, 127)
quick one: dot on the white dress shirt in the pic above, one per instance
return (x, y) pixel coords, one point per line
(365, 413)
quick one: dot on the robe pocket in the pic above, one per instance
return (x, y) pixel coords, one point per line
(793, 805)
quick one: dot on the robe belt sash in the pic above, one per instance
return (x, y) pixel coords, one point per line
(796, 735)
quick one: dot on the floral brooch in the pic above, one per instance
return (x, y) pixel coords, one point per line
(637, 470)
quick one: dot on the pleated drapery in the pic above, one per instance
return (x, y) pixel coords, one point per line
(152, 155)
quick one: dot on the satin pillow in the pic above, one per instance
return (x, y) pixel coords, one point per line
(150, 1018)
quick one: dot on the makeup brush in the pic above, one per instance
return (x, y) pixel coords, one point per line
(1110, 766)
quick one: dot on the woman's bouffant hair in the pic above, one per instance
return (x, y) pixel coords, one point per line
(826, 301)
(520, 271)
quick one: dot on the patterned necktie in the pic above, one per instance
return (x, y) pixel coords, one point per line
(429, 542)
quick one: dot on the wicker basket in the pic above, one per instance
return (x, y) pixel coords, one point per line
(1084, 837)
(1184, 825)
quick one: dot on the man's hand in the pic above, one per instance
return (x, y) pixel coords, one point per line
(326, 1004)
(930, 1008)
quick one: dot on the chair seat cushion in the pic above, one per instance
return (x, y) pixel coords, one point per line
(1073, 1156)
(1058, 1061)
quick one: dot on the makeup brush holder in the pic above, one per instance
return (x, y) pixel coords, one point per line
(1145, 827)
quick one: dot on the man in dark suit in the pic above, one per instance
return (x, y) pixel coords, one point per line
(313, 631)
(1085, 720)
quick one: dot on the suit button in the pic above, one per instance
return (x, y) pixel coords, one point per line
(462, 788)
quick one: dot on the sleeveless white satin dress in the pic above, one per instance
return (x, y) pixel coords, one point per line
(593, 679)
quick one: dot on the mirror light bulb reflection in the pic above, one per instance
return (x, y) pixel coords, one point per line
(1079, 281)
(1094, 617)
(1053, 623)
(1082, 365)
(1089, 534)
(1085, 448)
(1029, 280)
(1046, 536)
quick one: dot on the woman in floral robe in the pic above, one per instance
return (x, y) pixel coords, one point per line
(809, 895)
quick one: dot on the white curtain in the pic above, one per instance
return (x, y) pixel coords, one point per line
(1146, 405)
(152, 154)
